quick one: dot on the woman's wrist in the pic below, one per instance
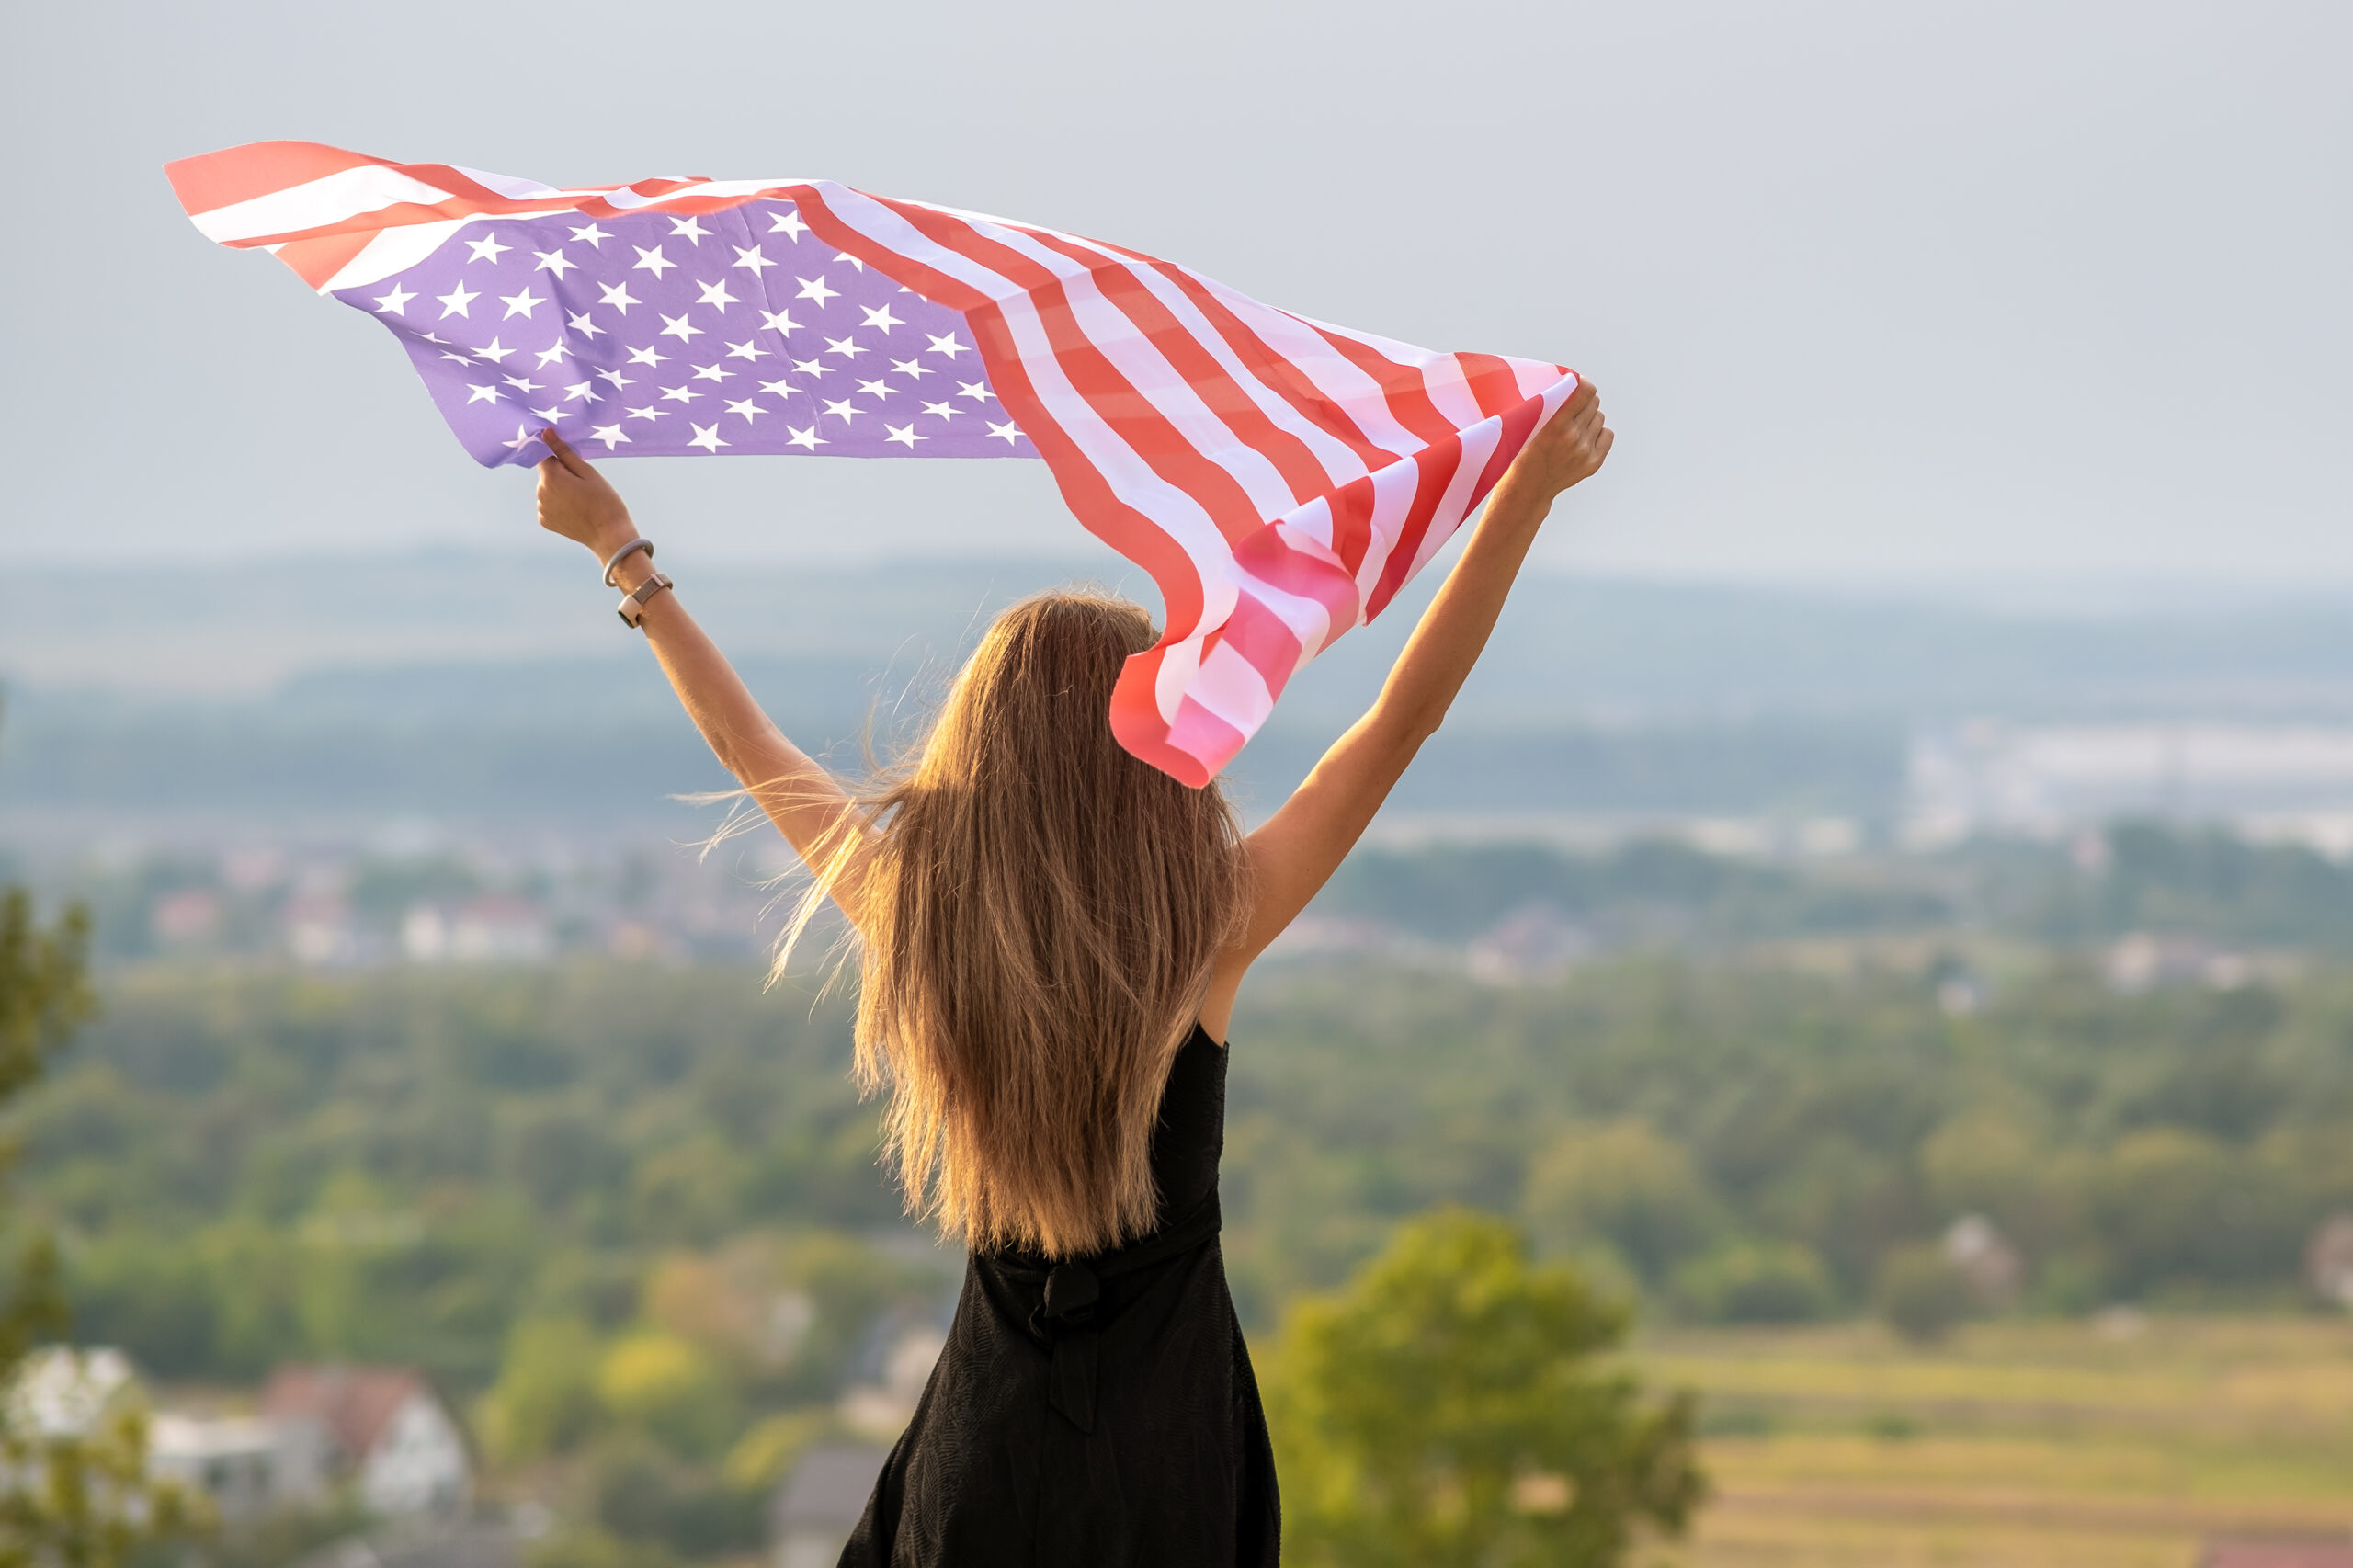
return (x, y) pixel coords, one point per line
(635, 569)
(604, 541)
(1519, 504)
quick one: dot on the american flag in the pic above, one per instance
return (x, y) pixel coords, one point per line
(1279, 477)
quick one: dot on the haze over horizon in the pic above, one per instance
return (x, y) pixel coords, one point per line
(2002, 294)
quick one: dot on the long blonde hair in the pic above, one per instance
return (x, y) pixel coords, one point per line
(1040, 914)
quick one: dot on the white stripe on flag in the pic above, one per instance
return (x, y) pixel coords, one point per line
(1161, 384)
(331, 198)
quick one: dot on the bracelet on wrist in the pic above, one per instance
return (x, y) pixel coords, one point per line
(612, 564)
(632, 605)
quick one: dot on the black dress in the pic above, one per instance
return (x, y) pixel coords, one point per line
(1099, 1412)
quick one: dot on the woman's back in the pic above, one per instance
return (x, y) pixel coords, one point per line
(1095, 1410)
(1035, 908)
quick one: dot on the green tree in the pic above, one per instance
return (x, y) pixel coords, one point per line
(1919, 1293)
(1765, 1282)
(1446, 1409)
(545, 1399)
(77, 1499)
(1627, 1186)
(672, 1388)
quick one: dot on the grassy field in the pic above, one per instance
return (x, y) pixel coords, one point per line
(2125, 1443)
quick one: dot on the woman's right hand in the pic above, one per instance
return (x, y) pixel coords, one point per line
(1569, 449)
(580, 503)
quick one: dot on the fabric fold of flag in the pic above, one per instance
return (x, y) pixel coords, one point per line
(1279, 477)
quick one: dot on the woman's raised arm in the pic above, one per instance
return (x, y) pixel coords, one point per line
(808, 805)
(1294, 853)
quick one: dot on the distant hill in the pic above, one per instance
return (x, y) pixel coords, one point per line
(495, 685)
(1570, 648)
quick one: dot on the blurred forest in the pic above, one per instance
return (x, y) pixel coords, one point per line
(627, 1216)
(403, 1166)
(562, 1191)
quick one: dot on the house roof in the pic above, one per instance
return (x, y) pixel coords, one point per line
(353, 1404)
(829, 1487)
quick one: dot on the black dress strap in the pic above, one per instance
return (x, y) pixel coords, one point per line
(1073, 1289)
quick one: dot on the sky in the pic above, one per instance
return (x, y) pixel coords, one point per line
(1875, 293)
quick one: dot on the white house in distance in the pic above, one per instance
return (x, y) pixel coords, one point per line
(250, 1467)
(385, 1429)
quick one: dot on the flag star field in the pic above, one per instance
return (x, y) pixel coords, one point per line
(654, 336)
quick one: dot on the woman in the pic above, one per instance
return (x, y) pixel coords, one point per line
(1051, 934)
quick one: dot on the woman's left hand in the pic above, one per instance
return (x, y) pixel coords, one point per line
(579, 502)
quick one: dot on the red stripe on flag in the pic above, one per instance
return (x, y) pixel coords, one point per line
(1263, 639)
(1110, 394)
(402, 214)
(1137, 724)
(1492, 384)
(1199, 735)
(1288, 379)
(1434, 470)
(1220, 392)
(1273, 559)
(1401, 385)
(1085, 490)
(259, 168)
(939, 287)
(1519, 426)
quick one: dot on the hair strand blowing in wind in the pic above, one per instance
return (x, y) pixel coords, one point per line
(1040, 914)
